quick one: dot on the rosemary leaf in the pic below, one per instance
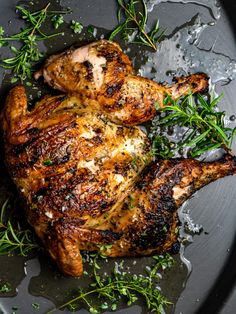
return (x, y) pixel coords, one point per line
(22, 61)
(203, 126)
(134, 28)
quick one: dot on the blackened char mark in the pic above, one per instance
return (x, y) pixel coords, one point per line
(112, 89)
(153, 234)
(20, 148)
(33, 131)
(166, 201)
(89, 67)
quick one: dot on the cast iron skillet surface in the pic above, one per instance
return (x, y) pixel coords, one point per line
(210, 288)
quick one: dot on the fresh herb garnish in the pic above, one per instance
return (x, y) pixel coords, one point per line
(90, 29)
(120, 285)
(1, 31)
(14, 309)
(76, 27)
(24, 57)
(35, 306)
(203, 127)
(12, 237)
(57, 20)
(47, 162)
(134, 28)
(5, 288)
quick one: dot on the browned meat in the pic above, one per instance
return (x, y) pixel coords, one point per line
(87, 181)
(144, 223)
(102, 76)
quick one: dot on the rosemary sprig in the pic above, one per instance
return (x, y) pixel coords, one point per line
(12, 237)
(203, 127)
(134, 28)
(120, 285)
(28, 53)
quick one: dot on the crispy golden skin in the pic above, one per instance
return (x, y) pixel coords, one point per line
(102, 76)
(87, 181)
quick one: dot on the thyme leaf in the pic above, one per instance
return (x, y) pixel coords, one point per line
(77, 27)
(5, 288)
(57, 20)
(134, 27)
(109, 290)
(201, 124)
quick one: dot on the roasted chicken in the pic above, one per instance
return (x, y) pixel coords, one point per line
(87, 181)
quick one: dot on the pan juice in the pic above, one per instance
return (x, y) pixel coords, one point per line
(212, 5)
(180, 54)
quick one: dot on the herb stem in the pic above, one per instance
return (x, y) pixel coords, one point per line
(203, 127)
(28, 53)
(111, 288)
(133, 17)
(134, 28)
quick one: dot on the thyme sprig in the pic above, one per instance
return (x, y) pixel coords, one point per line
(202, 125)
(134, 28)
(28, 53)
(12, 237)
(109, 290)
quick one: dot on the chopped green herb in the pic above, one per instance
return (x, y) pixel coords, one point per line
(157, 105)
(35, 306)
(161, 146)
(114, 307)
(131, 202)
(57, 20)
(104, 248)
(76, 27)
(134, 27)
(14, 309)
(47, 162)
(14, 80)
(203, 127)
(2, 42)
(1, 31)
(90, 29)
(6, 287)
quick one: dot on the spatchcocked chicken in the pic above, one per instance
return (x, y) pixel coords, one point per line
(84, 170)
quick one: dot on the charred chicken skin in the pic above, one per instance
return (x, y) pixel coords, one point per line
(102, 76)
(86, 176)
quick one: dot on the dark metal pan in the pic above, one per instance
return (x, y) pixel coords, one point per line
(210, 287)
